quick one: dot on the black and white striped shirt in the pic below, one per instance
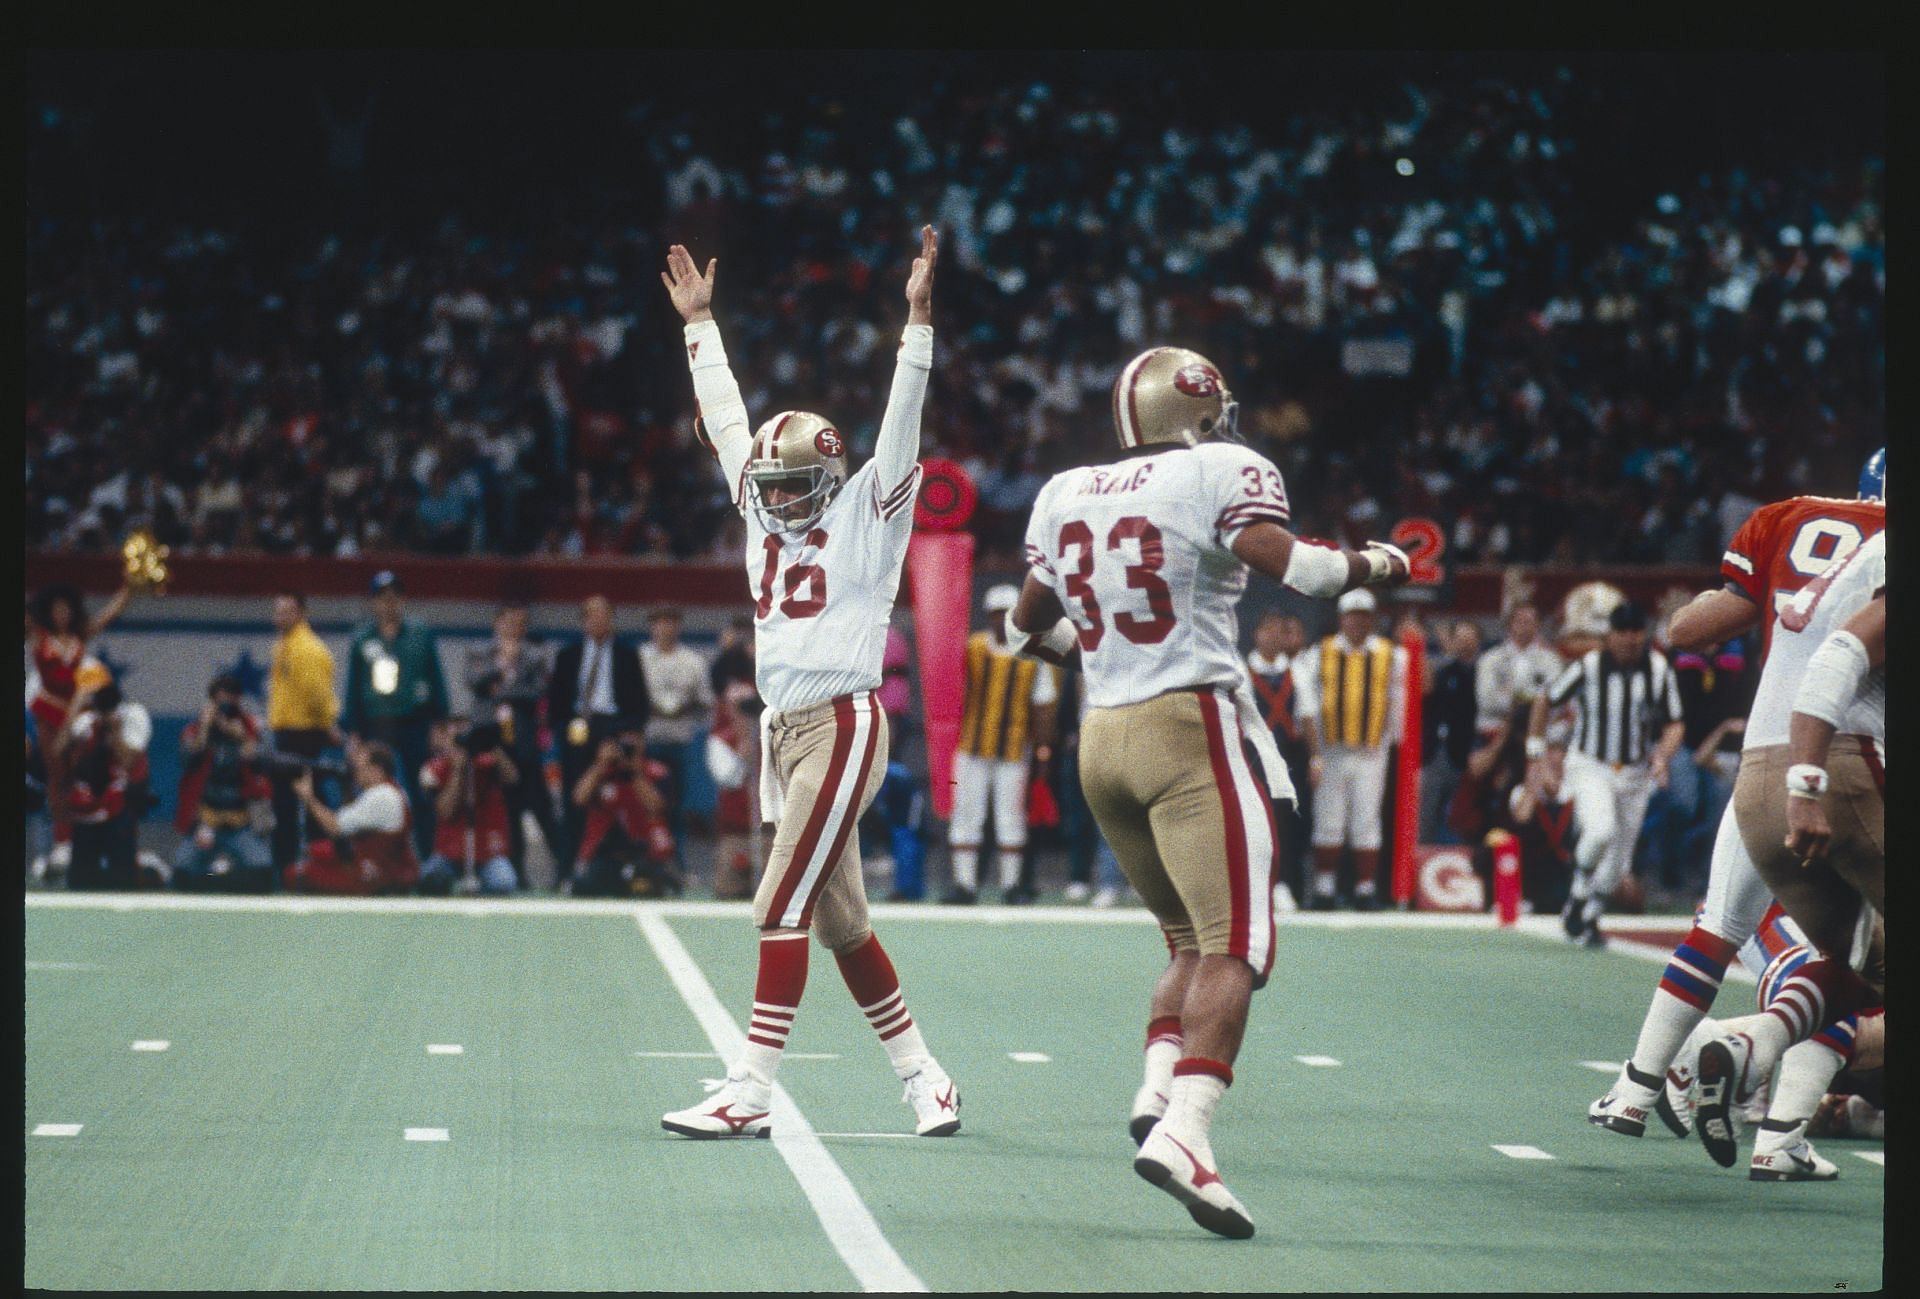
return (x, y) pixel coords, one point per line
(1619, 711)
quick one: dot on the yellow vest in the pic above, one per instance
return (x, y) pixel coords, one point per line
(300, 688)
(998, 719)
(1353, 691)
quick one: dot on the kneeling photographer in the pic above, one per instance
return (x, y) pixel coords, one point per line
(626, 849)
(469, 776)
(376, 823)
(222, 804)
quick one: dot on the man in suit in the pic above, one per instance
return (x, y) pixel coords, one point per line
(598, 689)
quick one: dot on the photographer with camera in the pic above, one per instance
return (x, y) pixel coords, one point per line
(469, 776)
(102, 746)
(222, 811)
(377, 825)
(626, 849)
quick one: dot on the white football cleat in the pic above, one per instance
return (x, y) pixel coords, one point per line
(739, 1106)
(1185, 1171)
(1675, 1105)
(1721, 1074)
(1149, 1103)
(1630, 1101)
(1789, 1157)
(935, 1100)
(1079, 891)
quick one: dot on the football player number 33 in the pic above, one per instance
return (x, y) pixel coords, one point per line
(1132, 533)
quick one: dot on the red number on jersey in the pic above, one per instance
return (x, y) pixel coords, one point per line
(1144, 576)
(1077, 533)
(811, 576)
(1424, 543)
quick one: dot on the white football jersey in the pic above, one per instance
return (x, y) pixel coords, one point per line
(822, 602)
(1139, 553)
(1816, 611)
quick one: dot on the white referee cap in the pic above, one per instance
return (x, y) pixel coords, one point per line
(1357, 599)
(1003, 596)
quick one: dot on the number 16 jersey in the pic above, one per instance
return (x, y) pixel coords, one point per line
(1139, 553)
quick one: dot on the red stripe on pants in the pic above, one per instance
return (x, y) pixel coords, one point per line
(852, 816)
(1235, 819)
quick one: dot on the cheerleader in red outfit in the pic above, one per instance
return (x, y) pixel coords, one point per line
(58, 633)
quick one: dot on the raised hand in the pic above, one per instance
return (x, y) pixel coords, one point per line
(920, 282)
(692, 292)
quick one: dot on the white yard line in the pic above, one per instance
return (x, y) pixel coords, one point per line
(1523, 1152)
(57, 1129)
(152, 1044)
(849, 1225)
(1318, 1061)
(424, 1134)
(1872, 1156)
(1622, 932)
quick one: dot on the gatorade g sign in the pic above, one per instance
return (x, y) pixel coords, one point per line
(1447, 881)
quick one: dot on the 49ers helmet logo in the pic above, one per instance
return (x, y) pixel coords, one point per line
(828, 443)
(1198, 380)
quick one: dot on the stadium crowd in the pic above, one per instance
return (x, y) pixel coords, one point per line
(1446, 298)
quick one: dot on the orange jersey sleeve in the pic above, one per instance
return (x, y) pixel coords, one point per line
(1783, 546)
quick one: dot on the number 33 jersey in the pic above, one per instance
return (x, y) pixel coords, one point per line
(822, 602)
(1139, 553)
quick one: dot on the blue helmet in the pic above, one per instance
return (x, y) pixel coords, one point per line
(1873, 477)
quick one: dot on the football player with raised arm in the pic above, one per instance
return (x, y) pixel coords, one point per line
(1777, 551)
(1136, 568)
(824, 552)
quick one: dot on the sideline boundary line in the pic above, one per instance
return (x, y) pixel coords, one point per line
(308, 904)
(849, 1225)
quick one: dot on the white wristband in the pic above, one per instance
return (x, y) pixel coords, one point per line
(1804, 780)
(1536, 746)
(1059, 639)
(704, 349)
(1319, 571)
(1380, 556)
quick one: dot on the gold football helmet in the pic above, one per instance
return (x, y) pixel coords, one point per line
(1172, 395)
(805, 458)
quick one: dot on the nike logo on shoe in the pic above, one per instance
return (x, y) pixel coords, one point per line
(945, 1102)
(1202, 1175)
(735, 1121)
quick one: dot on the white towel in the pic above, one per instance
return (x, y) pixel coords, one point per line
(769, 781)
(1279, 783)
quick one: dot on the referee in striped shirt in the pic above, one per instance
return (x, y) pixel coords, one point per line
(1626, 729)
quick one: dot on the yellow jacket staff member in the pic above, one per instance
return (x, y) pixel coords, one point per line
(1009, 711)
(1352, 691)
(301, 711)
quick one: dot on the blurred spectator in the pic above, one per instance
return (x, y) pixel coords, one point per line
(1277, 639)
(103, 750)
(1352, 690)
(896, 689)
(301, 712)
(508, 677)
(1514, 672)
(1447, 718)
(395, 689)
(734, 661)
(1716, 691)
(681, 699)
(902, 801)
(1093, 872)
(625, 848)
(468, 777)
(1541, 815)
(223, 795)
(376, 825)
(733, 760)
(597, 690)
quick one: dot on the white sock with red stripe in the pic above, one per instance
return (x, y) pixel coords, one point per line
(966, 867)
(776, 999)
(876, 989)
(1198, 1085)
(1163, 1053)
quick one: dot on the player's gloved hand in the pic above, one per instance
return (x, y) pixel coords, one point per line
(1387, 564)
